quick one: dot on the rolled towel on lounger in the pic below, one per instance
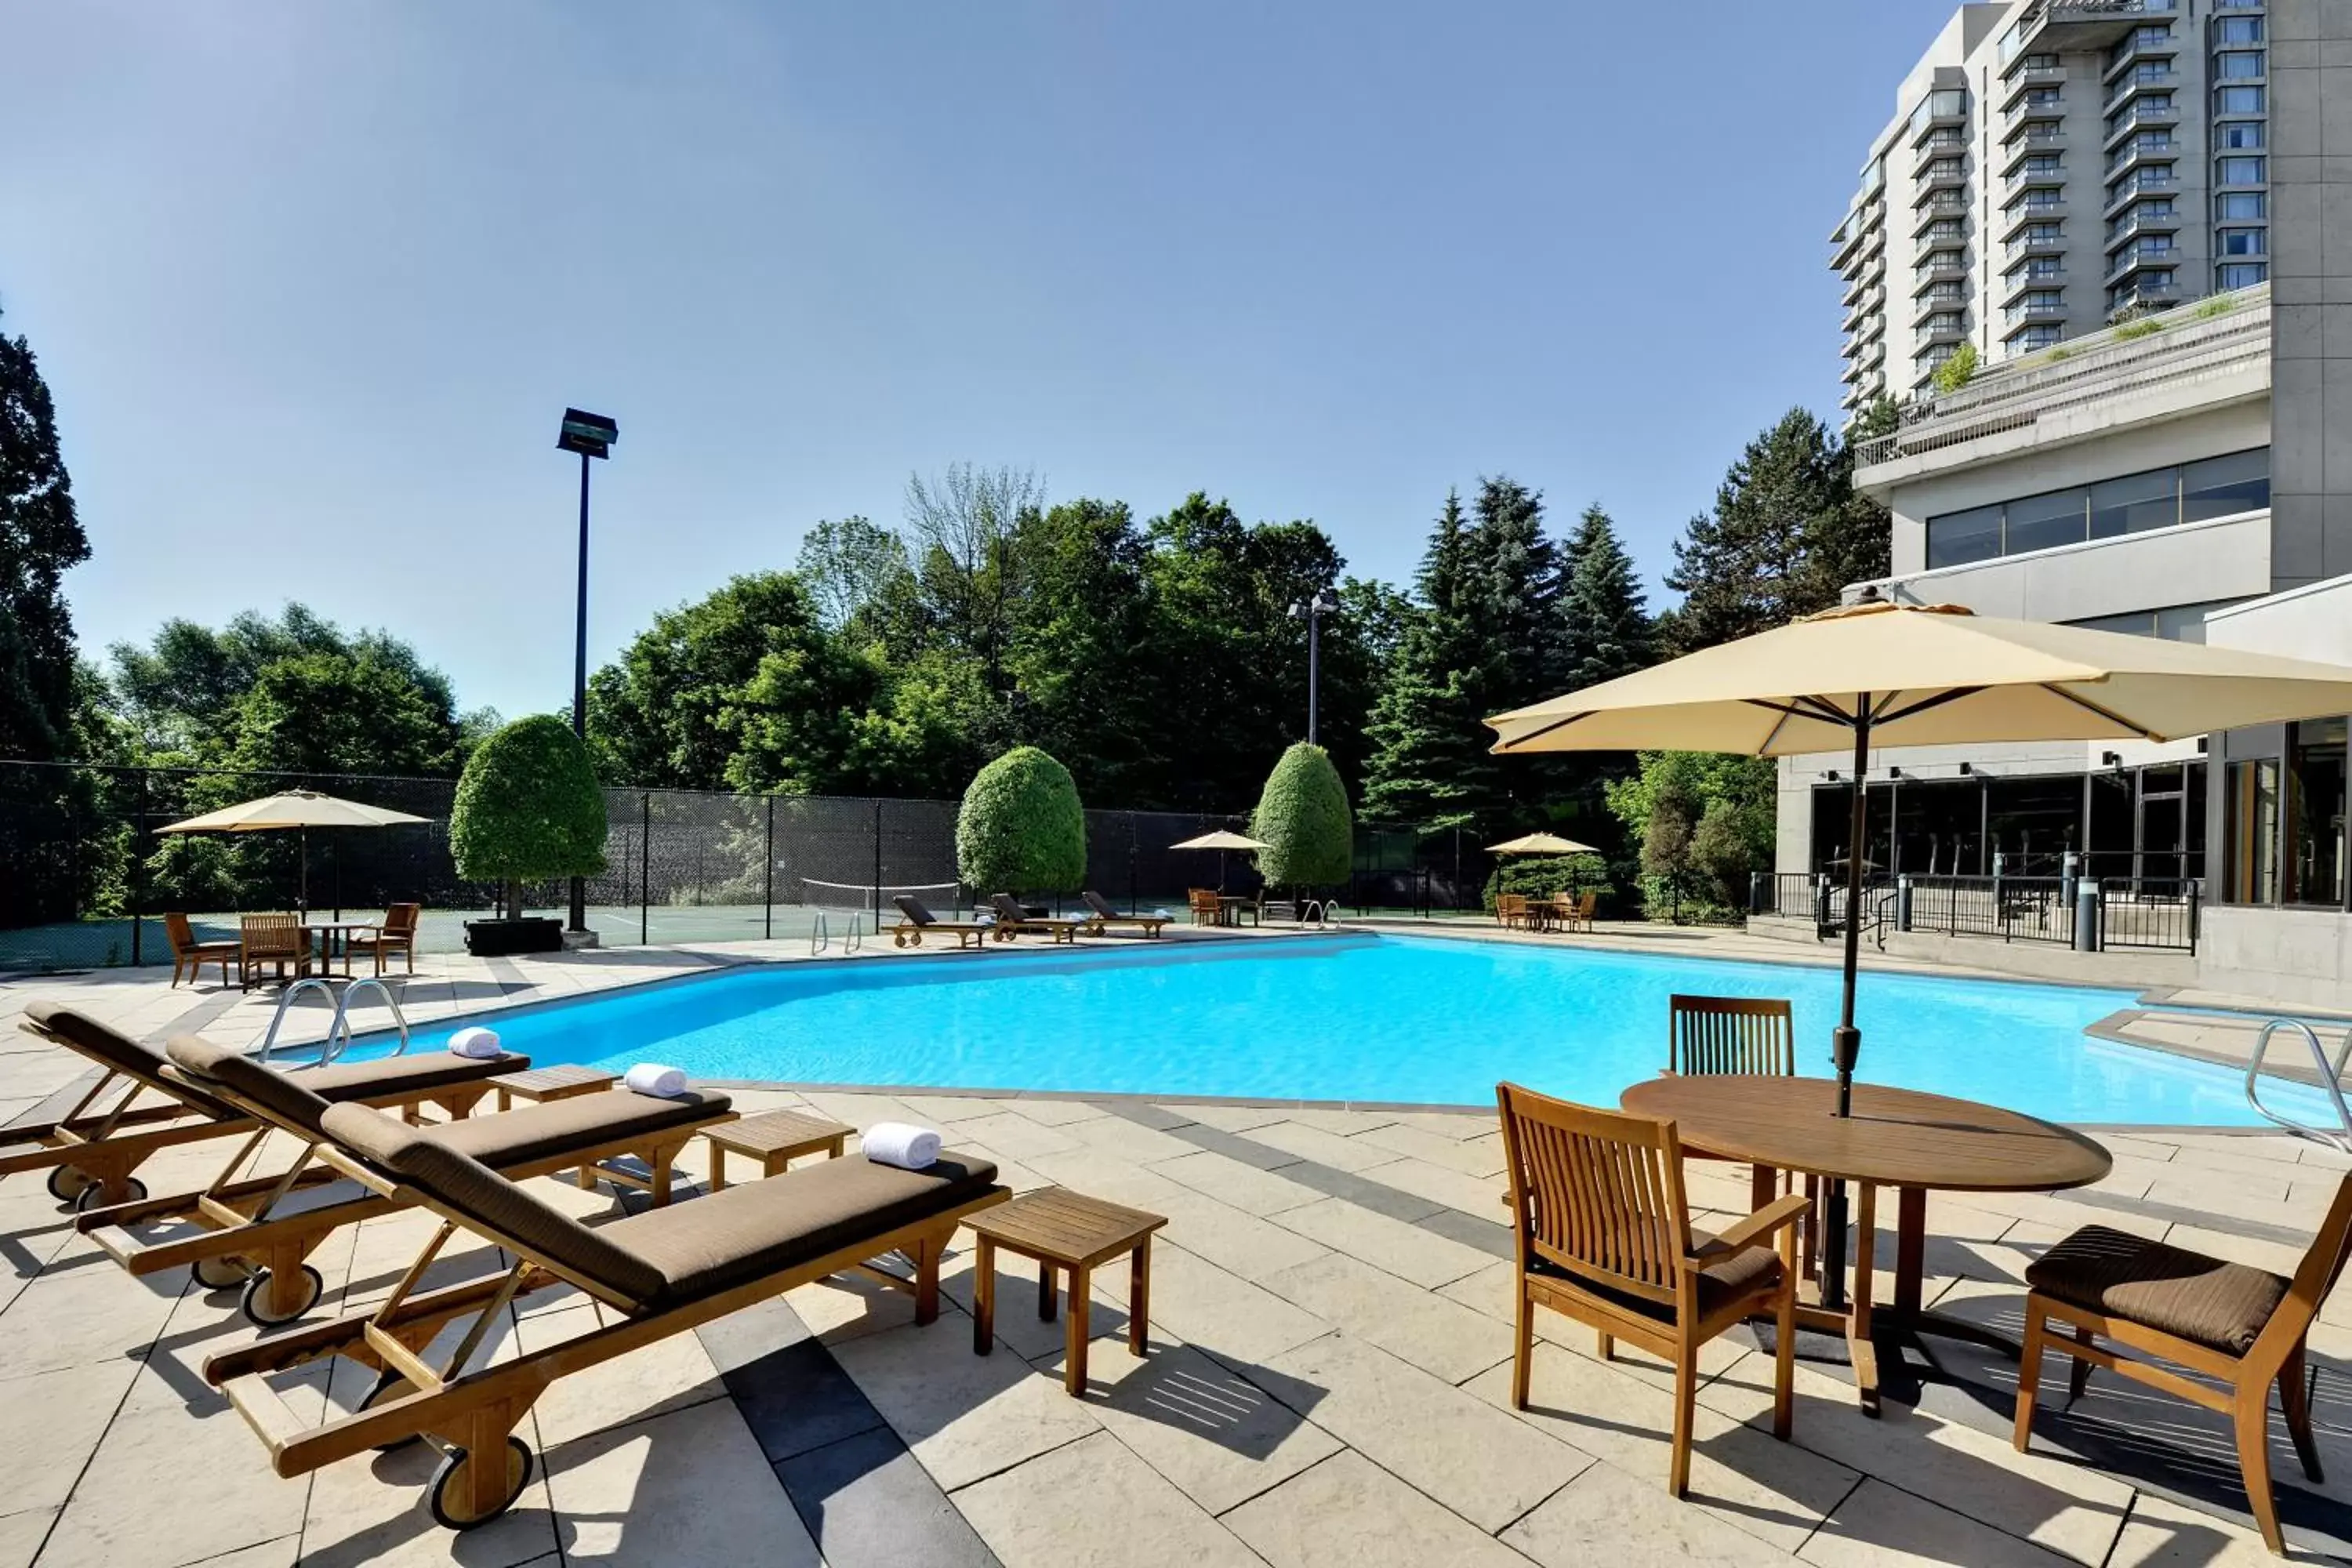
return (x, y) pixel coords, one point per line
(900, 1143)
(476, 1042)
(652, 1077)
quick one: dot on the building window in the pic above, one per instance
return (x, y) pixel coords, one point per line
(2238, 30)
(2242, 172)
(2238, 100)
(1944, 229)
(2238, 133)
(2042, 164)
(2239, 204)
(2035, 337)
(2045, 521)
(2043, 98)
(1958, 538)
(2134, 502)
(2240, 242)
(2251, 833)
(2220, 487)
(2176, 623)
(2243, 66)
(2241, 274)
(1943, 169)
(2314, 813)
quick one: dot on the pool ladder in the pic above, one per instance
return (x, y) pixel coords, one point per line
(2331, 1079)
(338, 1031)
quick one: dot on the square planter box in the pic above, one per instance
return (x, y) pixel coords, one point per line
(494, 938)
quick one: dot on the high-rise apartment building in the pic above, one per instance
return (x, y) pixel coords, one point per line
(2054, 166)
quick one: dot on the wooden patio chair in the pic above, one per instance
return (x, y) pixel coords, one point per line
(1578, 911)
(1511, 910)
(1604, 1235)
(1208, 910)
(189, 956)
(397, 934)
(277, 940)
(2242, 1326)
(1738, 1035)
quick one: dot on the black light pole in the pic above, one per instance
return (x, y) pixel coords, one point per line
(591, 436)
(1314, 610)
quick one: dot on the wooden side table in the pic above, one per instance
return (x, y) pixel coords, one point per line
(775, 1138)
(538, 1084)
(1061, 1229)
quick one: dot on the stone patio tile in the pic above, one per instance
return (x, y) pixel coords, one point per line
(2161, 1534)
(371, 1510)
(1019, 1329)
(1465, 1123)
(1232, 1118)
(866, 1500)
(281, 1552)
(1128, 1140)
(1405, 1250)
(1437, 1335)
(1347, 1513)
(1048, 1112)
(1195, 1300)
(21, 1535)
(40, 1458)
(669, 1374)
(964, 1416)
(1092, 1504)
(785, 1385)
(1219, 1437)
(1607, 1516)
(1101, 1175)
(1479, 1156)
(687, 1487)
(1882, 1528)
(1010, 1132)
(843, 1307)
(1322, 1146)
(1480, 1197)
(1239, 1243)
(2256, 1155)
(86, 1312)
(2232, 1248)
(1245, 1187)
(1476, 1460)
(860, 1110)
(1778, 1492)
(1010, 1172)
(937, 1109)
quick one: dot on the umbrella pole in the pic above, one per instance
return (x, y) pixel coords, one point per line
(1845, 1040)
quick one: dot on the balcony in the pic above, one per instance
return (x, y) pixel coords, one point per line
(2039, 206)
(2142, 78)
(2146, 183)
(2137, 154)
(2140, 254)
(2040, 136)
(1949, 207)
(1865, 307)
(2143, 298)
(2028, 244)
(1948, 141)
(2027, 312)
(1928, 122)
(1944, 267)
(2026, 79)
(2054, 26)
(2141, 220)
(2141, 50)
(1946, 174)
(1948, 327)
(2024, 280)
(2052, 175)
(1942, 297)
(2143, 116)
(2037, 103)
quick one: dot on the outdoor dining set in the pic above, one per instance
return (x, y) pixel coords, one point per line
(292, 946)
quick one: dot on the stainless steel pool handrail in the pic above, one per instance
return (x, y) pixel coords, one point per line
(338, 1027)
(2331, 1079)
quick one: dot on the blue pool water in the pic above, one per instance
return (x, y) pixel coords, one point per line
(1360, 1017)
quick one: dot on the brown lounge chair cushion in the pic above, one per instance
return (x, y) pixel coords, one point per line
(300, 1098)
(532, 1132)
(119, 1051)
(1733, 1275)
(2222, 1305)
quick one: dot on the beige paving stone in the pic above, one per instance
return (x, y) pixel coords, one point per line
(1010, 1132)
(1245, 1187)
(1236, 1321)
(1019, 1329)
(1885, 1527)
(1407, 1252)
(1778, 1492)
(1476, 1460)
(1480, 1197)
(85, 1313)
(371, 1510)
(1241, 1118)
(1092, 1504)
(1240, 1243)
(1219, 1437)
(669, 1374)
(2161, 1534)
(1465, 1123)
(847, 1306)
(1346, 1123)
(937, 1110)
(1350, 1513)
(55, 1420)
(1480, 1156)
(1607, 1516)
(21, 1535)
(1437, 1335)
(860, 1110)
(1048, 1112)
(1098, 1174)
(963, 1416)
(1325, 1148)
(1130, 1139)
(691, 1486)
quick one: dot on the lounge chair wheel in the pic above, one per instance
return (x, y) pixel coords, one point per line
(218, 1273)
(68, 1182)
(389, 1385)
(449, 1482)
(256, 1297)
(90, 1195)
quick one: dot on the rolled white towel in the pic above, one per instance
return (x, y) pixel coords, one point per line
(902, 1144)
(476, 1042)
(652, 1077)
(1162, 915)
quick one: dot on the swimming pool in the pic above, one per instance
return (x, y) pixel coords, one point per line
(1357, 1016)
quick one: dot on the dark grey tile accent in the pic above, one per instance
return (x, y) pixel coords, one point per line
(867, 1501)
(1233, 1146)
(791, 1392)
(194, 1020)
(509, 978)
(1144, 1114)
(1362, 1192)
(1469, 1230)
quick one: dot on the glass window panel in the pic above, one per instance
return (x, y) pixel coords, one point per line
(2242, 171)
(2134, 502)
(2238, 99)
(1959, 537)
(2238, 67)
(2219, 486)
(2250, 874)
(2314, 814)
(2241, 204)
(2038, 522)
(2243, 274)
(2238, 133)
(2238, 30)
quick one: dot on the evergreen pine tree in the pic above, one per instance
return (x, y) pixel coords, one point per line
(1605, 628)
(1515, 584)
(1429, 766)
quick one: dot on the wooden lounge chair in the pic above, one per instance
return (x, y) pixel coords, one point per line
(1739, 1035)
(658, 1274)
(91, 1136)
(915, 922)
(2238, 1327)
(1012, 921)
(1604, 1235)
(397, 934)
(1102, 917)
(189, 956)
(277, 940)
(257, 1232)
(1208, 910)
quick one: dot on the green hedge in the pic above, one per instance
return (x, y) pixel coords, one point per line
(1540, 876)
(1021, 829)
(1302, 818)
(528, 808)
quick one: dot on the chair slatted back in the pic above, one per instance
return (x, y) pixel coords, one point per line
(1730, 1035)
(270, 936)
(1510, 907)
(1586, 904)
(2315, 1277)
(401, 919)
(1596, 1192)
(181, 935)
(1203, 900)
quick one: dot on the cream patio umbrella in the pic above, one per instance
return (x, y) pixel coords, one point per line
(1221, 840)
(300, 809)
(1541, 844)
(1938, 675)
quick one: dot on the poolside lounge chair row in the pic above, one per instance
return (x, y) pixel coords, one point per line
(1007, 919)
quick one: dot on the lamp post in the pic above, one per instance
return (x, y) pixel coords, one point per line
(591, 436)
(1313, 611)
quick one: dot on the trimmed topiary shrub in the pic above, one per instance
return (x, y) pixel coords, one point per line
(528, 809)
(1303, 817)
(1021, 829)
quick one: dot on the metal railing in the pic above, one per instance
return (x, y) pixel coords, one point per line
(2149, 914)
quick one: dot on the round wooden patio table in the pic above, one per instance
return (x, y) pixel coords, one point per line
(1899, 1138)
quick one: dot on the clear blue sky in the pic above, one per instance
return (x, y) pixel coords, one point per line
(313, 282)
